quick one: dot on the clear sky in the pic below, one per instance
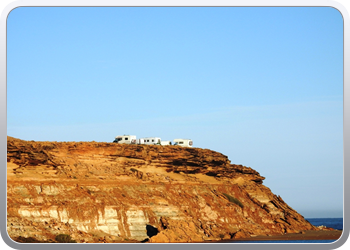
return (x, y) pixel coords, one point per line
(263, 86)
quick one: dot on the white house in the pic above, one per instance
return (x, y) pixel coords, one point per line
(125, 139)
(131, 139)
(183, 142)
(151, 140)
(164, 143)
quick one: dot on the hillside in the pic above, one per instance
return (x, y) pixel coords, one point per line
(107, 192)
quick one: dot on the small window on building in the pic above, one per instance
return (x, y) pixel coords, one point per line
(152, 140)
(147, 140)
(181, 142)
(126, 138)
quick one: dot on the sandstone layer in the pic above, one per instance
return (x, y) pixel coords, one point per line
(108, 192)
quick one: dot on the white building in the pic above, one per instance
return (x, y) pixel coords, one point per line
(151, 140)
(131, 139)
(183, 142)
(164, 143)
(125, 139)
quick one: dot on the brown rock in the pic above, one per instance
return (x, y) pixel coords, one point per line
(106, 190)
(241, 234)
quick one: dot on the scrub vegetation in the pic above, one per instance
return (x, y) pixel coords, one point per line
(233, 200)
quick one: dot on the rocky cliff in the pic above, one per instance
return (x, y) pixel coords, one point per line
(107, 192)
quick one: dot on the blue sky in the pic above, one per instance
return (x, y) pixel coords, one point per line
(263, 86)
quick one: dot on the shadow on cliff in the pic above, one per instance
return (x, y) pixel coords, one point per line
(151, 231)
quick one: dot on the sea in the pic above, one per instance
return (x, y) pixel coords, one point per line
(336, 223)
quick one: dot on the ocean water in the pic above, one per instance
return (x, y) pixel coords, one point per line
(336, 223)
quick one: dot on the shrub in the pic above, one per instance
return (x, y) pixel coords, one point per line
(233, 200)
(27, 240)
(31, 240)
(64, 238)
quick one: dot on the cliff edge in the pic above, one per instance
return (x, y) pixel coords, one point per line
(108, 192)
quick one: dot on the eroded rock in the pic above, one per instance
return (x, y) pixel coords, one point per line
(107, 192)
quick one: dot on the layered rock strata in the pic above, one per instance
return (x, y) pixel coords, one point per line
(107, 192)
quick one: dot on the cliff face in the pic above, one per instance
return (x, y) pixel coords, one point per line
(107, 192)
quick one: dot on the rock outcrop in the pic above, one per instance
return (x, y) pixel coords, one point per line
(107, 192)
